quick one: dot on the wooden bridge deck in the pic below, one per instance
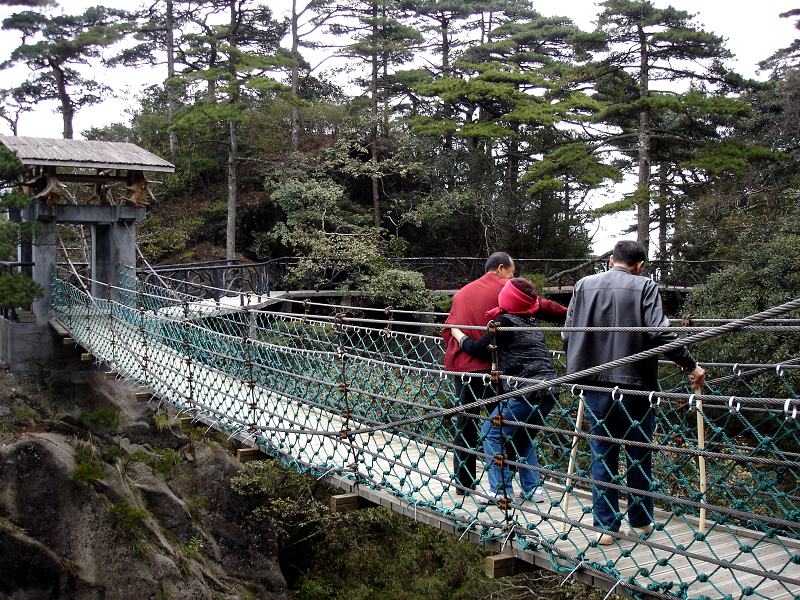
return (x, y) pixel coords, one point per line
(404, 473)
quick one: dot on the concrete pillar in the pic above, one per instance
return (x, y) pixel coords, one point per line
(24, 249)
(113, 247)
(44, 258)
(125, 247)
(102, 266)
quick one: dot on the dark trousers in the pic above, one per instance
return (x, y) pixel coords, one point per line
(467, 432)
(628, 419)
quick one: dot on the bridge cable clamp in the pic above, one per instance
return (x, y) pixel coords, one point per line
(508, 538)
(692, 403)
(465, 379)
(779, 369)
(572, 391)
(737, 370)
(461, 537)
(651, 398)
(731, 407)
(613, 587)
(790, 416)
(614, 395)
(571, 573)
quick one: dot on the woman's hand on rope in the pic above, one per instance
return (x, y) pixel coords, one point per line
(697, 377)
(457, 334)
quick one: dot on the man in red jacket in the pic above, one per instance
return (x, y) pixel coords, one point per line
(470, 305)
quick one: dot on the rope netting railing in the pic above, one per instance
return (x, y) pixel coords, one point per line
(361, 394)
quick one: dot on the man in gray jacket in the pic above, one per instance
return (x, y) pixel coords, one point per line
(621, 297)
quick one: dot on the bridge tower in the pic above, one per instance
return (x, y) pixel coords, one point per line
(98, 188)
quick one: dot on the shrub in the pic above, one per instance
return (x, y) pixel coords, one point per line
(400, 289)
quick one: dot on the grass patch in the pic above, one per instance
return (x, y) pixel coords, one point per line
(104, 420)
(194, 549)
(127, 519)
(113, 453)
(88, 467)
(89, 471)
(6, 429)
(166, 463)
(195, 504)
(163, 460)
(161, 421)
(26, 415)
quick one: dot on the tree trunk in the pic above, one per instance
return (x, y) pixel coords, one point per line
(295, 117)
(230, 241)
(170, 22)
(446, 72)
(663, 201)
(376, 207)
(230, 233)
(67, 109)
(643, 188)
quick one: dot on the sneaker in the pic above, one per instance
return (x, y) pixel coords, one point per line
(643, 532)
(495, 500)
(604, 539)
(536, 494)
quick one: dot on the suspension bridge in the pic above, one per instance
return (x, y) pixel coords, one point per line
(359, 398)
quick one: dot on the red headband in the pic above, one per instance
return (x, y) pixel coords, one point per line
(513, 300)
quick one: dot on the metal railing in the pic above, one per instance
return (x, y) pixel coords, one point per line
(440, 273)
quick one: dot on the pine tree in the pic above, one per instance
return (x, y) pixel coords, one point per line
(235, 62)
(649, 45)
(54, 47)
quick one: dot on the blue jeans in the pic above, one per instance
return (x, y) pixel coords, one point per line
(629, 419)
(532, 410)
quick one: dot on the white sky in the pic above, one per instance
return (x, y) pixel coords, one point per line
(753, 31)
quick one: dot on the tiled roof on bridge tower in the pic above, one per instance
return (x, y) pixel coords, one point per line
(84, 154)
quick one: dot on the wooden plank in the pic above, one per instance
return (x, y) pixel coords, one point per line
(67, 341)
(345, 502)
(247, 454)
(56, 326)
(86, 357)
(504, 565)
(110, 375)
(143, 396)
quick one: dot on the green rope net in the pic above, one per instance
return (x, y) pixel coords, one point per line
(327, 395)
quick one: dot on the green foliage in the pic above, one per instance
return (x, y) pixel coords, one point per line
(88, 467)
(10, 166)
(18, 290)
(161, 460)
(105, 420)
(87, 471)
(195, 503)
(770, 275)
(128, 519)
(166, 463)
(54, 45)
(730, 157)
(194, 549)
(399, 289)
(369, 553)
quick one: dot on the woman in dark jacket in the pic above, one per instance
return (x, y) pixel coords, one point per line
(520, 354)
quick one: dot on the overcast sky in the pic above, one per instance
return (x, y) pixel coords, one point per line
(753, 31)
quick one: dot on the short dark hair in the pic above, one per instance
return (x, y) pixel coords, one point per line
(496, 260)
(629, 252)
(524, 286)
